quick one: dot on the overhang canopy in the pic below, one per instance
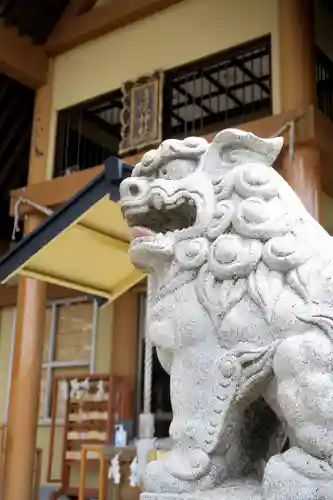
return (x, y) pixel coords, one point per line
(83, 245)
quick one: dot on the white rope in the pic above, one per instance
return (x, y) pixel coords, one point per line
(26, 201)
(148, 376)
(148, 364)
(282, 129)
(291, 127)
(291, 141)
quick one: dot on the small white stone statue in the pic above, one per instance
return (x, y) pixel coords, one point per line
(143, 447)
(100, 391)
(79, 389)
(241, 314)
(75, 391)
(114, 470)
(85, 386)
(134, 473)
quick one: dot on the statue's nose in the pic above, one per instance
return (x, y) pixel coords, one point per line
(131, 188)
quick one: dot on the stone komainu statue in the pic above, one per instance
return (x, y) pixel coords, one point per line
(240, 312)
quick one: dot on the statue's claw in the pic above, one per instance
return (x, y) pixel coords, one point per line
(295, 474)
(184, 472)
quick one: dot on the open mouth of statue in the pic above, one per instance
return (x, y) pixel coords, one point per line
(160, 217)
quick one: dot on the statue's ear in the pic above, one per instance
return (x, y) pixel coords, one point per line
(232, 147)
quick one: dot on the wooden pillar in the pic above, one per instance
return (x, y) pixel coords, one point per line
(298, 92)
(125, 334)
(124, 353)
(124, 359)
(30, 323)
(297, 57)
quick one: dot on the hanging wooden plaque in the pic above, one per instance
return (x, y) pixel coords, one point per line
(141, 115)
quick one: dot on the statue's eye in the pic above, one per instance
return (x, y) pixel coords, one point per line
(177, 169)
(164, 172)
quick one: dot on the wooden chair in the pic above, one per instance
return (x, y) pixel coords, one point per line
(84, 427)
(99, 451)
(104, 454)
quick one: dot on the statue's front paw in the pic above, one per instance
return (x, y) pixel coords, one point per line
(184, 472)
(295, 475)
(158, 479)
(188, 466)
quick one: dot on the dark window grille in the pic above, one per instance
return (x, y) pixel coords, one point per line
(222, 90)
(87, 134)
(324, 80)
(205, 96)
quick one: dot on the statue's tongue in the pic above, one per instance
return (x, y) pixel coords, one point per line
(141, 232)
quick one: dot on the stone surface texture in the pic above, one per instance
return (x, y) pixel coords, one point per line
(241, 314)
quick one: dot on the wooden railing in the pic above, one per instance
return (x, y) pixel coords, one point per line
(36, 471)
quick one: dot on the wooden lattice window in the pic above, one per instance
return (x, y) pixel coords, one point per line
(87, 134)
(218, 91)
(70, 330)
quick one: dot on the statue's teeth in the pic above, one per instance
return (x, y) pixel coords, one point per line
(158, 202)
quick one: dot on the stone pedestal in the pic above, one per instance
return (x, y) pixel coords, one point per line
(242, 491)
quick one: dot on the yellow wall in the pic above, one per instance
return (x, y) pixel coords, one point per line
(6, 327)
(102, 365)
(185, 32)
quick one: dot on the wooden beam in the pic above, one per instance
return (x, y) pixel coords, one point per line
(101, 20)
(8, 294)
(74, 8)
(21, 60)
(57, 190)
(40, 137)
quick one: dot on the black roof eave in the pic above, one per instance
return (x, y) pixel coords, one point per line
(106, 183)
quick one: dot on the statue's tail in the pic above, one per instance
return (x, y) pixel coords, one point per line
(257, 363)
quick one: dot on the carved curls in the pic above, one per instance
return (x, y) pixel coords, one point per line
(232, 257)
(255, 218)
(284, 253)
(191, 148)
